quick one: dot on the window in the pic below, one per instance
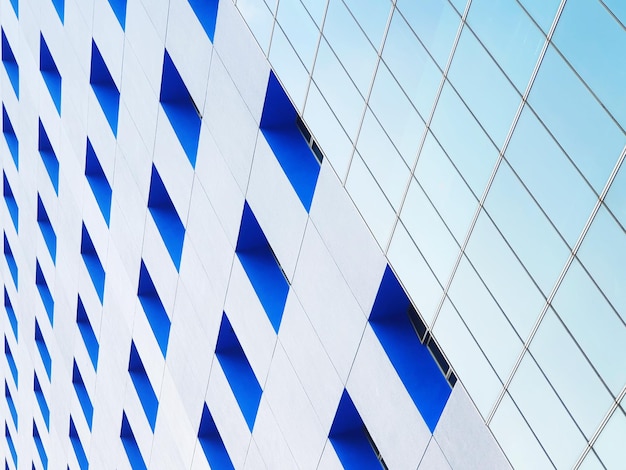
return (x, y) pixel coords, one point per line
(92, 262)
(44, 291)
(98, 182)
(211, 442)
(142, 385)
(9, 135)
(81, 393)
(9, 198)
(50, 73)
(46, 229)
(10, 65)
(104, 87)
(153, 308)
(48, 157)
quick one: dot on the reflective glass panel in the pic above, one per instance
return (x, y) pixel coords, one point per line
(445, 188)
(594, 43)
(383, 160)
(610, 444)
(298, 26)
(259, 20)
(596, 327)
(603, 253)
(509, 35)
(484, 319)
(463, 140)
(372, 16)
(288, 66)
(350, 44)
(504, 276)
(584, 130)
(316, 9)
(526, 229)
(542, 11)
(550, 177)
(570, 374)
(484, 88)
(429, 233)
(414, 69)
(396, 114)
(468, 361)
(546, 415)
(616, 197)
(435, 22)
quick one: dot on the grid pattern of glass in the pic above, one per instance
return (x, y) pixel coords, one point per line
(482, 141)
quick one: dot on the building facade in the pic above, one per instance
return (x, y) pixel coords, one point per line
(313, 234)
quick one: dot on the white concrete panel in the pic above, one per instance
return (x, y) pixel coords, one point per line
(459, 421)
(310, 361)
(268, 437)
(276, 206)
(326, 298)
(433, 458)
(242, 57)
(232, 126)
(293, 411)
(347, 238)
(385, 406)
(109, 37)
(329, 460)
(254, 459)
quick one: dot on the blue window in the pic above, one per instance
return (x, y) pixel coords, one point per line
(166, 218)
(130, 445)
(8, 255)
(81, 393)
(262, 267)
(10, 64)
(92, 262)
(10, 136)
(206, 11)
(15, 5)
(40, 448)
(119, 8)
(46, 229)
(8, 307)
(10, 403)
(141, 382)
(50, 72)
(238, 371)
(280, 126)
(98, 182)
(9, 439)
(153, 307)
(48, 156)
(79, 450)
(44, 291)
(180, 109)
(59, 6)
(351, 440)
(211, 442)
(41, 401)
(43, 350)
(9, 198)
(10, 360)
(396, 323)
(87, 333)
(104, 87)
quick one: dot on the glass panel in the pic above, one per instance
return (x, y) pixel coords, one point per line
(396, 114)
(339, 91)
(610, 444)
(382, 159)
(429, 233)
(546, 415)
(483, 87)
(542, 11)
(484, 319)
(370, 200)
(591, 462)
(526, 229)
(616, 197)
(509, 35)
(435, 22)
(288, 67)
(594, 43)
(259, 19)
(316, 9)
(594, 324)
(466, 358)
(618, 8)
(570, 374)
(329, 134)
(412, 66)
(445, 188)
(603, 253)
(515, 437)
(350, 45)
(576, 119)
(504, 276)
(417, 278)
(372, 16)
(550, 177)
(467, 145)
(298, 26)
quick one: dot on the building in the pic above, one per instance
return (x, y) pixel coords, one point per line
(313, 234)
